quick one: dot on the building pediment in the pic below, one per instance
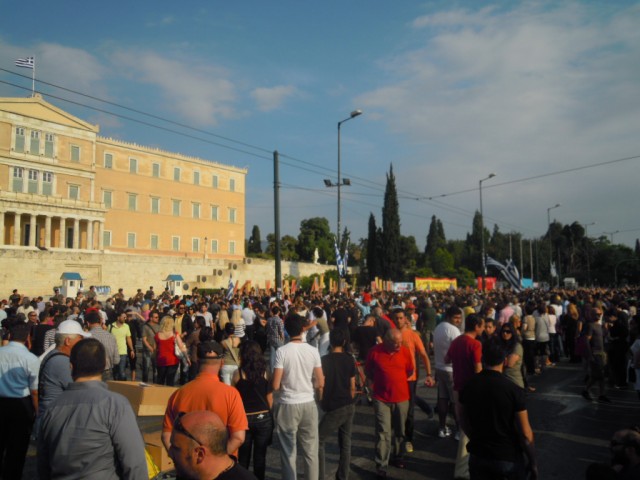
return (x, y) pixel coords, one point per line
(36, 107)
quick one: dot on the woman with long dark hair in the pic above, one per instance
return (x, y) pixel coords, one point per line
(255, 389)
(510, 341)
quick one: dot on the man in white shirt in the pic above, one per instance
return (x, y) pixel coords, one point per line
(249, 316)
(297, 366)
(445, 333)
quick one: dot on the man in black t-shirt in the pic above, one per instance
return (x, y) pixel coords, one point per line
(199, 448)
(494, 417)
(339, 390)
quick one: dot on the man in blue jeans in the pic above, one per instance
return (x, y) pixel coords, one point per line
(339, 370)
(494, 417)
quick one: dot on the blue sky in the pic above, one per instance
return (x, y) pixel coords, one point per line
(451, 92)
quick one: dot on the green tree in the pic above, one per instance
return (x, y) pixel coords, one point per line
(315, 233)
(287, 247)
(443, 263)
(435, 240)
(391, 260)
(254, 244)
(373, 253)
(409, 253)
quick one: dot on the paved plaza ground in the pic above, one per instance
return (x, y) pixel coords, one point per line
(570, 433)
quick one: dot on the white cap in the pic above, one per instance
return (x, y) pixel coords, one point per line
(71, 327)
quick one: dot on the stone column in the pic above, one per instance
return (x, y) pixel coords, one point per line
(100, 235)
(76, 233)
(90, 242)
(32, 230)
(47, 232)
(1, 228)
(17, 229)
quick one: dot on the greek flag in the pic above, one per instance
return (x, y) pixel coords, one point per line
(509, 272)
(554, 273)
(339, 261)
(230, 288)
(28, 62)
(345, 265)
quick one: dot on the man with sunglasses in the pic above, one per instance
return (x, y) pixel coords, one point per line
(199, 448)
(206, 392)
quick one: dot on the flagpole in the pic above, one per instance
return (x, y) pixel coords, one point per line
(33, 78)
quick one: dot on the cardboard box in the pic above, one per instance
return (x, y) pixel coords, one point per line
(153, 444)
(145, 399)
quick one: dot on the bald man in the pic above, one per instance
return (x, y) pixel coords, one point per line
(389, 365)
(199, 449)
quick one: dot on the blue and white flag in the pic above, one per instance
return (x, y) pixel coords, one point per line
(339, 263)
(29, 62)
(509, 272)
(345, 263)
(230, 288)
(554, 273)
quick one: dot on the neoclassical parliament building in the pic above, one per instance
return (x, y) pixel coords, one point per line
(65, 188)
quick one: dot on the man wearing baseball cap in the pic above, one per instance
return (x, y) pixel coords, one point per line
(55, 369)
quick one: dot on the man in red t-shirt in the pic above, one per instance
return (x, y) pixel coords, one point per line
(465, 356)
(389, 365)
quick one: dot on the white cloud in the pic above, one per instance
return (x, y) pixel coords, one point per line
(200, 93)
(271, 98)
(534, 89)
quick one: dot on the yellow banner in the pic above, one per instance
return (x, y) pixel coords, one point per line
(435, 283)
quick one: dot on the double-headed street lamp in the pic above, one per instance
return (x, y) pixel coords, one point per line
(341, 181)
(611, 234)
(550, 243)
(484, 261)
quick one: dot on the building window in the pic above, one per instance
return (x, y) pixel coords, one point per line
(155, 205)
(176, 174)
(133, 202)
(232, 184)
(107, 198)
(195, 244)
(154, 242)
(48, 145)
(47, 183)
(214, 181)
(108, 160)
(155, 170)
(133, 165)
(232, 247)
(232, 215)
(74, 192)
(32, 185)
(131, 240)
(196, 178)
(214, 212)
(214, 246)
(106, 238)
(19, 140)
(195, 210)
(18, 179)
(75, 153)
(175, 207)
(35, 142)
(175, 244)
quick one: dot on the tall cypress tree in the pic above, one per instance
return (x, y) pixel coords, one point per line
(391, 263)
(255, 242)
(373, 254)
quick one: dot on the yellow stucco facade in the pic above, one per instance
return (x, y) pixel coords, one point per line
(63, 187)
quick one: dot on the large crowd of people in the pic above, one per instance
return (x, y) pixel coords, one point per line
(250, 365)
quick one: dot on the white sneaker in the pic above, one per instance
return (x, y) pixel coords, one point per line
(444, 432)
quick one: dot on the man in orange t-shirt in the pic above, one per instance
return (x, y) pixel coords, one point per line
(411, 339)
(207, 392)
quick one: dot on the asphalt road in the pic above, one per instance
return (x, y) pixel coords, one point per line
(570, 433)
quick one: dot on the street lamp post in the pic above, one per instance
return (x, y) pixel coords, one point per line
(484, 262)
(611, 234)
(586, 234)
(342, 181)
(550, 243)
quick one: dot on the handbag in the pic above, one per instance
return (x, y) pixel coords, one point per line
(176, 347)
